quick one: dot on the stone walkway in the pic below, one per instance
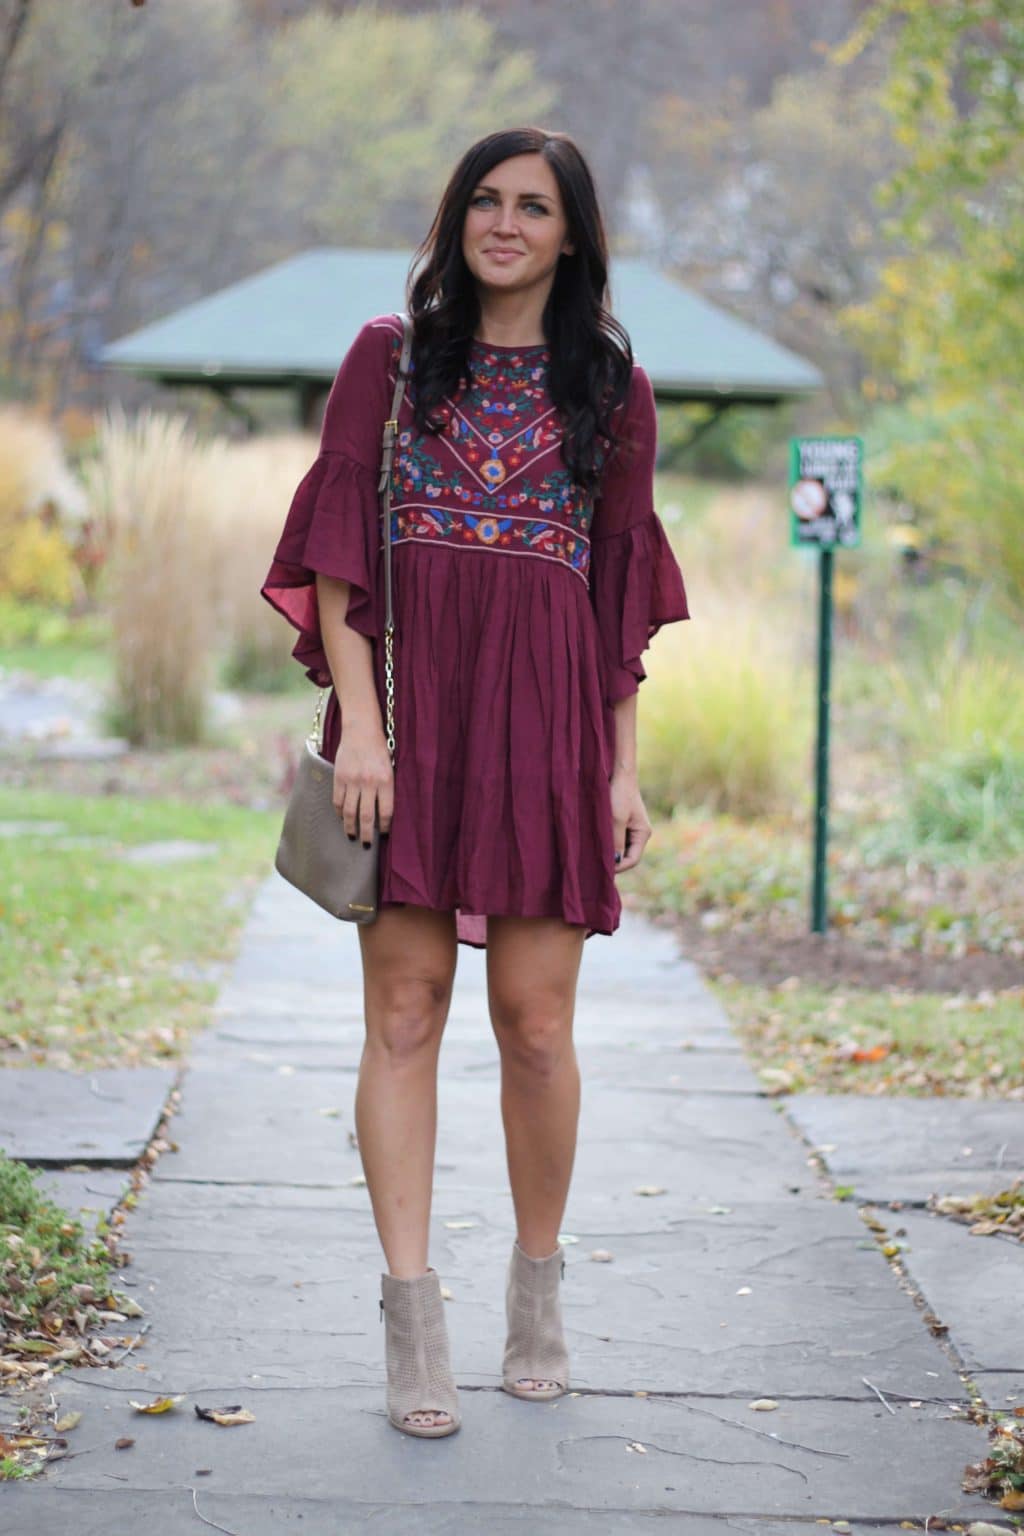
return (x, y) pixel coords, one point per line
(741, 1279)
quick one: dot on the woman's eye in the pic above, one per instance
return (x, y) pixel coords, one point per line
(485, 197)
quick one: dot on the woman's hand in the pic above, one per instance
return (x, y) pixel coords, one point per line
(363, 781)
(630, 820)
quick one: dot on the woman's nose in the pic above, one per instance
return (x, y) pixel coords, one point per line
(505, 220)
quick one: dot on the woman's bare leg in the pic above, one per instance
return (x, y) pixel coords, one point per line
(532, 968)
(409, 958)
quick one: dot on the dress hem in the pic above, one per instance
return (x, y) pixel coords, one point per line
(463, 913)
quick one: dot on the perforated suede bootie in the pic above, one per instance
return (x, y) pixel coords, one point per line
(420, 1382)
(535, 1349)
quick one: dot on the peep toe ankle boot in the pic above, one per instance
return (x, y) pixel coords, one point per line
(420, 1381)
(535, 1349)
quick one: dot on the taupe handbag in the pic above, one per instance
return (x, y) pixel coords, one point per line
(315, 853)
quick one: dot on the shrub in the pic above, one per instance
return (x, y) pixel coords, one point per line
(725, 712)
(40, 505)
(724, 716)
(250, 485)
(970, 798)
(148, 495)
(961, 722)
(950, 703)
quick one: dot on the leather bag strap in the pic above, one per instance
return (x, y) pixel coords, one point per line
(384, 492)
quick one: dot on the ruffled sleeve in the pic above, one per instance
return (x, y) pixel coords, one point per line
(636, 585)
(333, 523)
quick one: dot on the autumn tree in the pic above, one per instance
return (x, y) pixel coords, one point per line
(945, 327)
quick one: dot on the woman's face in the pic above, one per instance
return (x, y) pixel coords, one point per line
(515, 227)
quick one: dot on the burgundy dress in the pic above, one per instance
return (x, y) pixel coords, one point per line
(521, 608)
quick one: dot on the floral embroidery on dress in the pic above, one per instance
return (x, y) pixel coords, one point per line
(518, 535)
(493, 475)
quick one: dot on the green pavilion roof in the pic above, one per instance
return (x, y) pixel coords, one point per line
(292, 323)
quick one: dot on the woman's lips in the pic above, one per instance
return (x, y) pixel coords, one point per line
(503, 256)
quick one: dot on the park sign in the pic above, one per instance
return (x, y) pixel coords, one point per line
(825, 492)
(825, 489)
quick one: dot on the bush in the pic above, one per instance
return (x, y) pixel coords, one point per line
(955, 704)
(250, 486)
(40, 503)
(961, 723)
(149, 498)
(970, 798)
(23, 622)
(726, 710)
(724, 716)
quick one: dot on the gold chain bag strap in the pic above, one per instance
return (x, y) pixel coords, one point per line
(315, 853)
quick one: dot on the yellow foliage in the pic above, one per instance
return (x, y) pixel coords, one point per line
(37, 495)
(38, 564)
(896, 278)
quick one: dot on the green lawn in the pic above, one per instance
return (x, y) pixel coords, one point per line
(819, 1039)
(101, 961)
(47, 643)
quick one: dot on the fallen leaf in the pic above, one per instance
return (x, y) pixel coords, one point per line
(776, 1079)
(446, 1294)
(763, 1403)
(236, 1414)
(602, 1256)
(158, 1405)
(634, 1445)
(649, 1189)
(69, 1421)
(124, 1444)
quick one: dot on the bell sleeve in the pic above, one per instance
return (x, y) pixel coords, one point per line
(636, 585)
(333, 524)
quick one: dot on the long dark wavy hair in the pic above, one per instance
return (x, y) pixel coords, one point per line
(591, 358)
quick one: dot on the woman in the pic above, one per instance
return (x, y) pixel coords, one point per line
(529, 571)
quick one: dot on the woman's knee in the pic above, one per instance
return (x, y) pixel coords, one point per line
(534, 1037)
(406, 1017)
(409, 960)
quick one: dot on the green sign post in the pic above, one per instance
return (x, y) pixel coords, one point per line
(825, 495)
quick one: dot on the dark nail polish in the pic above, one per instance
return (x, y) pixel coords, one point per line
(366, 845)
(618, 858)
(351, 836)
